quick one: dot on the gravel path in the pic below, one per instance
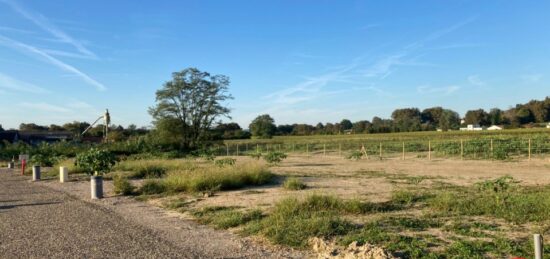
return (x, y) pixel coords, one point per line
(52, 220)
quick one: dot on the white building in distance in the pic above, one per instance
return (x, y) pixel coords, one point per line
(472, 127)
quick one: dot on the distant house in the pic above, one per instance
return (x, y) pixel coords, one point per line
(472, 127)
(348, 132)
(495, 127)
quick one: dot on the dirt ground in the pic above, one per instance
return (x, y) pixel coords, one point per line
(374, 179)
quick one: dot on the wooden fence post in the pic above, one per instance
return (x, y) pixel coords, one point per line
(227, 149)
(257, 148)
(380, 150)
(492, 150)
(293, 144)
(307, 149)
(538, 246)
(529, 149)
(339, 149)
(324, 149)
(462, 149)
(246, 148)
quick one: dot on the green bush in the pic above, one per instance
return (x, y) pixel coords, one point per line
(294, 183)
(256, 155)
(355, 155)
(122, 185)
(274, 157)
(96, 161)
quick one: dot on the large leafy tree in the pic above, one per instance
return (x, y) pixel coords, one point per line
(263, 127)
(478, 116)
(194, 100)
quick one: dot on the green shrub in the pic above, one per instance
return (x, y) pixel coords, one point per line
(122, 185)
(151, 186)
(225, 162)
(256, 155)
(45, 160)
(294, 183)
(355, 155)
(96, 161)
(274, 157)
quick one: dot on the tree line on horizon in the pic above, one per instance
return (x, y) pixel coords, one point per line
(532, 114)
(189, 107)
(402, 120)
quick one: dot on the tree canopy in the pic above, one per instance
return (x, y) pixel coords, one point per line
(263, 126)
(194, 100)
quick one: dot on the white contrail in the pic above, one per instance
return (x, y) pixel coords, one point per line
(46, 25)
(37, 52)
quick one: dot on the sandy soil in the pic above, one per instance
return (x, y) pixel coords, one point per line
(374, 179)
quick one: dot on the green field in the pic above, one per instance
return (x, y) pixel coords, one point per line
(499, 145)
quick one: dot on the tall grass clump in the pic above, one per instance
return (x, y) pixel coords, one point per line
(152, 186)
(153, 168)
(226, 217)
(122, 185)
(500, 198)
(293, 222)
(211, 177)
(294, 183)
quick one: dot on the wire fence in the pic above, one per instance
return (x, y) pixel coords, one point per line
(470, 149)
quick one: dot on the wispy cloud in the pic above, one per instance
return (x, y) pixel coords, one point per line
(310, 88)
(531, 78)
(10, 83)
(42, 22)
(44, 107)
(10, 29)
(446, 90)
(384, 66)
(65, 54)
(458, 46)
(475, 80)
(48, 58)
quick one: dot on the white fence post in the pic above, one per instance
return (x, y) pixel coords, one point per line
(538, 246)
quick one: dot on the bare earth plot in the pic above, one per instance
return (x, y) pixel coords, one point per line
(375, 179)
(50, 220)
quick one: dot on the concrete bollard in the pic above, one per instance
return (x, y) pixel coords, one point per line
(538, 246)
(11, 165)
(63, 174)
(96, 183)
(36, 173)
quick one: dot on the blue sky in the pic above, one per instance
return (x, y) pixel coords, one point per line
(300, 61)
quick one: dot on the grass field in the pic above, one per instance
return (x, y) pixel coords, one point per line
(415, 208)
